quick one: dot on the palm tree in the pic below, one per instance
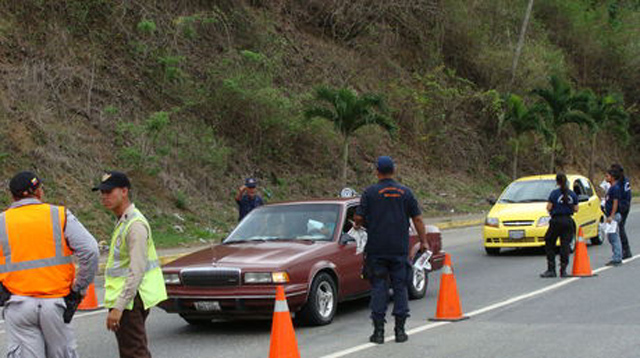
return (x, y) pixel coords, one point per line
(349, 112)
(522, 120)
(606, 113)
(564, 106)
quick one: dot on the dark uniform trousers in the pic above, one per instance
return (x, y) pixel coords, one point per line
(384, 268)
(624, 240)
(562, 226)
(132, 336)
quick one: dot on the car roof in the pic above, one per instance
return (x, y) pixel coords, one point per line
(549, 177)
(340, 201)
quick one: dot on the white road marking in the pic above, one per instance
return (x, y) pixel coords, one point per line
(480, 311)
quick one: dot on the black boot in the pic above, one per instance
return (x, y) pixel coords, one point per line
(551, 270)
(563, 271)
(401, 335)
(378, 332)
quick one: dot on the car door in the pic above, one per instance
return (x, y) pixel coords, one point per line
(588, 205)
(349, 264)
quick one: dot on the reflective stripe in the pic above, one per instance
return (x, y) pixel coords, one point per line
(447, 270)
(57, 231)
(4, 240)
(580, 239)
(124, 271)
(281, 306)
(27, 265)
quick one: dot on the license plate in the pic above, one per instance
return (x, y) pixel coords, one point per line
(516, 234)
(207, 305)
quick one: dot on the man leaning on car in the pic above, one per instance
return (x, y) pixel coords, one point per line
(386, 207)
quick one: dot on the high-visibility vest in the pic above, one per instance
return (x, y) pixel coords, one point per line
(151, 289)
(35, 259)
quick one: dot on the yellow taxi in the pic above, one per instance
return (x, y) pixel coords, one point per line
(519, 217)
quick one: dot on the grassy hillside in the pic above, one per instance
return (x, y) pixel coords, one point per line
(190, 97)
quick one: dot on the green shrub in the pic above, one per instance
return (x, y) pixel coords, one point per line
(147, 27)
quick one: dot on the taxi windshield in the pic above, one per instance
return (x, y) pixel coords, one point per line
(314, 222)
(530, 191)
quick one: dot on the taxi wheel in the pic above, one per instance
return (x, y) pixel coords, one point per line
(322, 302)
(492, 251)
(418, 284)
(196, 321)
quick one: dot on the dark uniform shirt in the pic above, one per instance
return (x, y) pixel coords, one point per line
(387, 207)
(614, 192)
(625, 200)
(559, 206)
(246, 204)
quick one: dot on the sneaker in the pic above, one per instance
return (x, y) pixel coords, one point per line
(626, 256)
(613, 263)
(564, 274)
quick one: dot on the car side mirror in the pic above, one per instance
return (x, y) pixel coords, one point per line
(491, 200)
(582, 198)
(346, 238)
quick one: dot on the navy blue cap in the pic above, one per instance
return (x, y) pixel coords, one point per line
(250, 183)
(385, 165)
(23, 184)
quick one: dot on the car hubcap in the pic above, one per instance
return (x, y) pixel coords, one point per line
(325, 299)
(418, 279)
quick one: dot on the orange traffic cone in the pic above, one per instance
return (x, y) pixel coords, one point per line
(90, 301)
(448, 300)
(581, 262)
(283, 338)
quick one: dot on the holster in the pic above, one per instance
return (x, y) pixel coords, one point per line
(5, 295)
(72, 301)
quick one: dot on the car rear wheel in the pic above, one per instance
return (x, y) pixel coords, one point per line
(492, 251)
(196, 321)
(322, 302)
(418, 284)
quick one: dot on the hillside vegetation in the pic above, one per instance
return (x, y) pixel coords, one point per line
(191, 97)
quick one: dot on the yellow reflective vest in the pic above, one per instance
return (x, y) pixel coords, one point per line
(151, 289)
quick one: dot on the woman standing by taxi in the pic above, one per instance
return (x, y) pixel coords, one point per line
(561, 205)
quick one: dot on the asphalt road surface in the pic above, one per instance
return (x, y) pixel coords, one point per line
(513, 313)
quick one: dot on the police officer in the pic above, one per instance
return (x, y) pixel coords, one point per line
(386, 208)
(624, 208)
(133, 278)
(611, 210)
(561, 205)
(37, 242)
(247, 198)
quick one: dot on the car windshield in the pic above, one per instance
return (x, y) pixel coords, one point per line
(288, 222)
(529, 191)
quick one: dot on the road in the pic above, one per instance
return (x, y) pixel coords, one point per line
(514, 313)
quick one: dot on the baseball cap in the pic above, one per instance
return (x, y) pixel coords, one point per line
(24, 183)
(385, 165)
(113, 179)
(250, 183)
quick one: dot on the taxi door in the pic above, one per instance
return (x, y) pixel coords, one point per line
(588, 215)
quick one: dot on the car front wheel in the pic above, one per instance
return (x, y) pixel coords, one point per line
(492, 251)
(322, 302)
(418, 284)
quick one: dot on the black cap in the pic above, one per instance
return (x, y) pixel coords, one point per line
(112, 180)
(23, 184)
(385, 165)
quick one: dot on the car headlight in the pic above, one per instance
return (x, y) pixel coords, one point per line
(544, 221)
(266, 277)
(493, 222)
(171, 279)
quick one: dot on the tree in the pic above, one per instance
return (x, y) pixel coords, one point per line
(522, 120)
(520, 45)
(564, 107)
(349, 112)
(606, 113)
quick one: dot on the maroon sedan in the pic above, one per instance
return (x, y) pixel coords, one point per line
(303, 246)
